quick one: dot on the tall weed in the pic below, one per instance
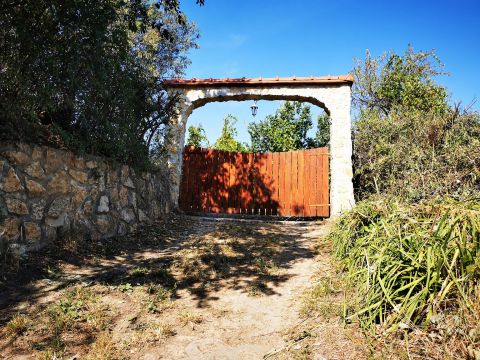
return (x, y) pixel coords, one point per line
(409, 261)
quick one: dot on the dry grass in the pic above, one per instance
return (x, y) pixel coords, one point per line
(188, 317)
(103, 348)
(18, 325)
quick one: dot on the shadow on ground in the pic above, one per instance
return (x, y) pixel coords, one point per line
(184, 254)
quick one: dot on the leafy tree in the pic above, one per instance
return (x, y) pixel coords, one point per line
(88, 74)
(285, 130)
(322, 135)
(227, 141)
(197, 136)
(399, 82)
(407, 141)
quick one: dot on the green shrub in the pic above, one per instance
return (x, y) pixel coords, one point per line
(88, 75)
(415, 156)
(409, 261)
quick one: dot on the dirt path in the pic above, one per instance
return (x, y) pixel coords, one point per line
(254, 324)
(192, 288)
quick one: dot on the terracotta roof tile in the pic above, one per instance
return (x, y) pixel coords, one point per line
(194, 82)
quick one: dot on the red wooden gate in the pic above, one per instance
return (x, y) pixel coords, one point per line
(293, 183)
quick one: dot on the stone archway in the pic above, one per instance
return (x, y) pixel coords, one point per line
(332, 93)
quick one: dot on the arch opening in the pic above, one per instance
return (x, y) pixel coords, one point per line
(333, 94)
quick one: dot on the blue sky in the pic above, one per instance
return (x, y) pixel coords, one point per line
(267, 38)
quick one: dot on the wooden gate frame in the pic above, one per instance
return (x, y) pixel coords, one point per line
(256, 183)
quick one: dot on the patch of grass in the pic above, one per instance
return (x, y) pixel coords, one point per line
(187, 317)
(324, 298)
(159, 298)
(265, 266)
(255, 289)
(164, 330)
(103, 348)
(138, 271)
(125, 288)
(17, 325)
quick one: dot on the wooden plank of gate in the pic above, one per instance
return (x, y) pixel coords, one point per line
(193, 182)
(198, 180)
(237, 163)
(209, 162)
(225, 181)
(230, 183)
(267, 181)
(288, 183)
(281, 182)
(294, 171)
(214, 182)
(201, 179)
(257, 184)
(307, 182)
(231, 189)
(275, 182)
(265, 190)
(253, 183)
(301, 176)
(250, 183)
(323, 210)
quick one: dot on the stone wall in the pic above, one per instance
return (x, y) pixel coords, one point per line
(45, 192)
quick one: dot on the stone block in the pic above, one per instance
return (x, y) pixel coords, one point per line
(59, 206)
(17, 157)
(123, 196)
(34, 188)
(79, 176)
(104, 224)
(91, 164)
(142, 217)
(32, 231)
(80, 163)
(127, 215)
(11, 182)
(59, 221)
(37, 154)
(38, 208)
(103, 205)
(88, 207)
(35, 170)
(129, 183)
(9, 229)
(79, 194)
(16, 207)
(59, 183)
(54, 160)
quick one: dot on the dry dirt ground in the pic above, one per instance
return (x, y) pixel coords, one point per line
(186, 288)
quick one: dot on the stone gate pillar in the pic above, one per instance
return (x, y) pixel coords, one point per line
(341, 173)
(174, 144)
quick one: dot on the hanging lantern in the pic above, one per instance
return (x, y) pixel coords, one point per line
(254, 108)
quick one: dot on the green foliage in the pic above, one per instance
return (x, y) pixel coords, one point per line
(197, 136)
(87, 74)
(322, 136)
(285, 130)
(227, 141)
(409, 262)
(416, 156)
(395, 82)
